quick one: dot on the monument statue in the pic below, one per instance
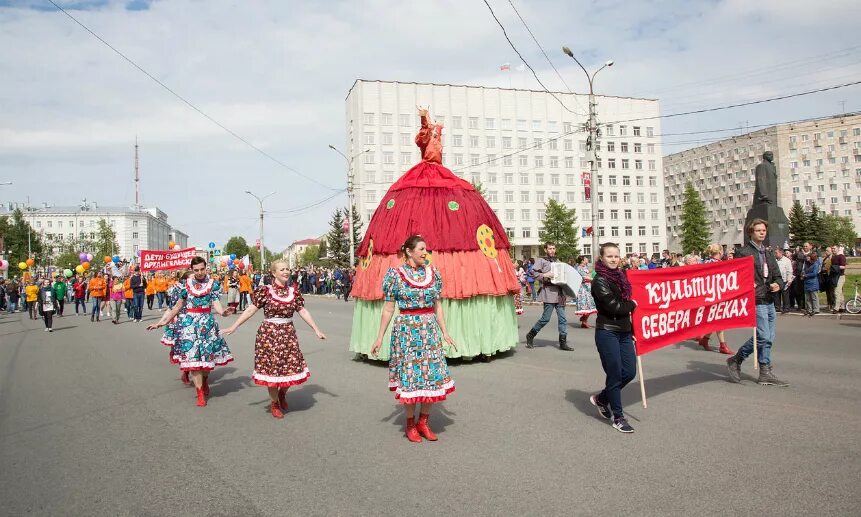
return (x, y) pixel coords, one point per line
(765, 203)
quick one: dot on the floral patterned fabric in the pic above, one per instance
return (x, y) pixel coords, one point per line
(585, 302)
(418, 372)
(278, 360)
(198, 342)
(172, 328)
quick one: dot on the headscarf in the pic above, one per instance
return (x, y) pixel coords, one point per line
(616, 276)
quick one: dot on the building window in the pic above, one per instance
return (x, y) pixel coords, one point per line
(509, 196)
(457, 140)
(368, 118)
(490, 141)
(524, 179)
(629, 231)
(388, 158)
(509, 214)
(473, 159)
(623, 130)
(526, 233)
(614, 231)
(641, 231)
(489, 123)
(473, 122)
(369, 158)
(650, 131)
(134, 235)
(406, 158)
(636, 130)
(406, 139)
(387, 139)
(456, 122)
(506, 142)
(386, 119)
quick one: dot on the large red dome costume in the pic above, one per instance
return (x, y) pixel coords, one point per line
(468, 247)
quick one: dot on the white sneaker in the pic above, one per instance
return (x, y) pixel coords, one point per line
(46, 330)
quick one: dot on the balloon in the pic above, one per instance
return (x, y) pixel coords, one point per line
(82, 257)
(230, 266)
(171, 245)
(211, 245)
(240, 265)
(30, 262)
(4, 265)
(79, 268)
(85, 265)
(233, 256)
(22, 266)
(107, 259)
(89, 257)
(68, 273)
(229, 262)
(116, 259)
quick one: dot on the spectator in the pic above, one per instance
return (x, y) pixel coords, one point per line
(838, 266)
(810, 273)
(825, 283)
(782, 302)
(800, 259)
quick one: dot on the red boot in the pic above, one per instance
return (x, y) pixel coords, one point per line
(201, 398)
(725, 349)
(206, 386)
(276, 411)
(411, 432)
(282, 398)
(423, 429)
(184, 378)
(584, 322)
(704, 342)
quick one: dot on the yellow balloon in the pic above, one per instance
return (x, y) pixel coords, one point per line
(79, 268)
(22, 266)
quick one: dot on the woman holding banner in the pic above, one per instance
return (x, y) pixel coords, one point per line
(715, 254)
(613, 334)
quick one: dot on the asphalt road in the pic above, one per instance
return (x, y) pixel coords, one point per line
(93, 421)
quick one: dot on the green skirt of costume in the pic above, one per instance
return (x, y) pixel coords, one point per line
(479, 325)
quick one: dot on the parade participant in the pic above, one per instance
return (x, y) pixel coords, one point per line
(585, 302)
(12, 296)
(418, 373)
(128, 298)
(149, 291)
(80, 290)
(171, 330)
(160, 287)
(199, 344)
(715, 254)
(552, 297)
(768, 281)
(278, 360)
(31, 296)
(116, 297)
(244, 290)
(60, 294)
(613, 335)
(232, 285)
(97, 290)
(138, 284)
(810, 274)
(47, 302)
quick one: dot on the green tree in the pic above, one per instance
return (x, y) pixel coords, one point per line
(695, 225)
(336, 241)
(311, 256)
(106, 242)
(357, 232)
(480, 189)
(815, 226)
(254, 257)
(560, 227)
(15, 231)
(798, 230)
(323, 253)
(236, 245)
(838, 230)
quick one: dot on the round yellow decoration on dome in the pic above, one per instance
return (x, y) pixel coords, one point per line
(365, 261)
(486, 241)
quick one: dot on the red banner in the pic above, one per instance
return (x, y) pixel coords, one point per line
(678, 303)
(587, 184)
(159, 260)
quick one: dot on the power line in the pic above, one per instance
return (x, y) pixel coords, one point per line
(539, 46)
(188, 103)
(296, 211)
(504, 33)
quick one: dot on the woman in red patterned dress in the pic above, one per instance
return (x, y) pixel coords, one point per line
(278, 361)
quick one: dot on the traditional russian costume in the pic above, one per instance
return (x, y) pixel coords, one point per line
(470, 253)
(278, 361)
(418, 372)
(198, 341)
(172, 328)
(585, 302)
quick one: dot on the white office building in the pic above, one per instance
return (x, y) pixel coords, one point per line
(146, 228)
(524, 148)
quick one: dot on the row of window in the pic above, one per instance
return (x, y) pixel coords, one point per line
(71, 224)
(507, 142)
(82, 235)
(843, 133)
(491, 160)
(406, 120)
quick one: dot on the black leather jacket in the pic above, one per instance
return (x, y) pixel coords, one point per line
(764, 296)
(614, 312)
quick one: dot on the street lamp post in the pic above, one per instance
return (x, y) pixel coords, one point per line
(262, 247)
(592, 127)
(350, 200)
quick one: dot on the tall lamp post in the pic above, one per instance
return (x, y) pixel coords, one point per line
(350, 199)
(262, 247)
(592, 127)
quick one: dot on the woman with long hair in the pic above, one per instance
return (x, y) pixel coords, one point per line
(613, 334)
(199, 344)
(278, 360)
(418, 372)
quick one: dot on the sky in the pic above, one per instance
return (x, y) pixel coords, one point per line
(277, 72)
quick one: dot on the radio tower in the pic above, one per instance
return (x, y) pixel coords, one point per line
(137, 178)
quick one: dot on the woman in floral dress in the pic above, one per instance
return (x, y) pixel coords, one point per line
(278, 361)
(418, 373)
(198, 342)
(171, 330)
(585, 302)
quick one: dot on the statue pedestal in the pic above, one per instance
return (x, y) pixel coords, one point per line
(778, 224)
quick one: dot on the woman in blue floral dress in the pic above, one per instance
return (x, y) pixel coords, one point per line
(585, 302)
(198, 342)
(172, 329)
(418, 373)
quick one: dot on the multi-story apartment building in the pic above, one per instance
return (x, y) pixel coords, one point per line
(146, 228)
(524, 148)
(818, 162)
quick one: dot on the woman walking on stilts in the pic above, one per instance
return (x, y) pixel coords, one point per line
(278, 360)
(199, 343)
(418, 373)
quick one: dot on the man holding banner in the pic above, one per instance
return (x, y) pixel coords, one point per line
(768, 284)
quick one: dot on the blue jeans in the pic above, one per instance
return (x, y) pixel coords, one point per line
(160, 297)
(545, 318)
(765, 324)
(97, 302)
(138, 301)
(532, 289)
(619, 360)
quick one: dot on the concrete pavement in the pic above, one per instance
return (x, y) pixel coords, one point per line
(93, 421)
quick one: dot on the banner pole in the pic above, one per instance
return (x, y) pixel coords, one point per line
(642, 383)
(755, 351)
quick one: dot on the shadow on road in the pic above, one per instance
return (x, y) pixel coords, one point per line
(439, 417)
(298, 399)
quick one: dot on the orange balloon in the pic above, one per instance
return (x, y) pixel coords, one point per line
(171, 244)
(85, 265)
(107, 259)
(30, 262)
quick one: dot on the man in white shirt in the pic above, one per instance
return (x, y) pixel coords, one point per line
(781, 300)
